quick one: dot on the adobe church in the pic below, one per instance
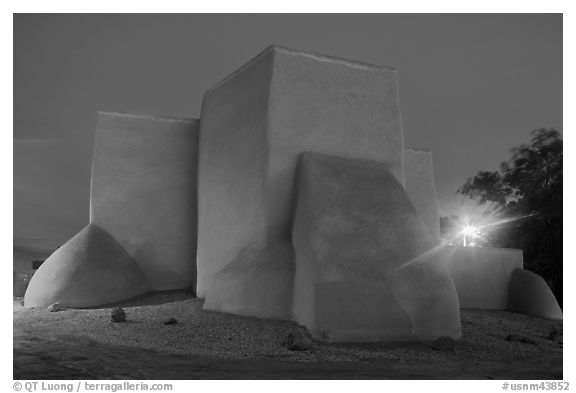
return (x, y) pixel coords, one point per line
(292, 197)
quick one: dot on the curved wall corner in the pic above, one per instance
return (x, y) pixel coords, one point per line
(482, 275)
(91, 269)
(144, 193)
(530, 294)
(426, 291)
(420, 187)
(258, 283)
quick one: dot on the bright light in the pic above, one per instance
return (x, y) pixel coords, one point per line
(472, 223)
(470, 231)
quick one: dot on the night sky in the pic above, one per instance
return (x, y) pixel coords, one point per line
(471, 87)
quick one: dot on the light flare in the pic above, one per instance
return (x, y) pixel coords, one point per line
(475, 221)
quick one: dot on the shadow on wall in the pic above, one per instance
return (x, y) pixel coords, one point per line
(494, 279)
(530, 294)
(259, 283)
(482, 275)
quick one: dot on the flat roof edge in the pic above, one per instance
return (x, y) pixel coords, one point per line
(316, 56)
(515, 250)
(418, 149)
(146, 116)
(333, 59)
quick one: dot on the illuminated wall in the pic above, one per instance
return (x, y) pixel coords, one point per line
(419, 184)
(143, 192)
(482, 275)
(256, 122)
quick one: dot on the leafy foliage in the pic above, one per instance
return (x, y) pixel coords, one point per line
(529, 185)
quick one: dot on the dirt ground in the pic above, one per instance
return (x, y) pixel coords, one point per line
(86, 344)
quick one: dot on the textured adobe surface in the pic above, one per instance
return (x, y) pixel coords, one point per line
(91, 269)
(259, 283)
(482, 275)
(530, 294)
(144, 193)
(363, 266)
(257, 121)
(419, 184)
(427, 293)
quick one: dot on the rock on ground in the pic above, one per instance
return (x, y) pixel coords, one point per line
(54, 307)
(444, 343)
(520, 338)
(298, 340)
(118, 315)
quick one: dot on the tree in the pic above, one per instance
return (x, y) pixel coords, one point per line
(528, 188)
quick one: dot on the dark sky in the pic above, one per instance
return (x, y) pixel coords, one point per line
(471, 87)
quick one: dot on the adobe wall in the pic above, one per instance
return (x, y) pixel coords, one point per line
(482, 275)
(143, 193)
(331, 106)
(530, 294)
(256, 122)
(233, 156)
(419, 184)
(258, 283)
(364, 267)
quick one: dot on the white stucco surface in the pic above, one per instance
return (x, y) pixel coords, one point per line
(258, 283)
(363, 265)
(91, 269)
(420, 186)
(257, 121)
(482, 275)
(143, 192)
(530, 294)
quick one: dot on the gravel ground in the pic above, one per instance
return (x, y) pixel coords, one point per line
(228, 337)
